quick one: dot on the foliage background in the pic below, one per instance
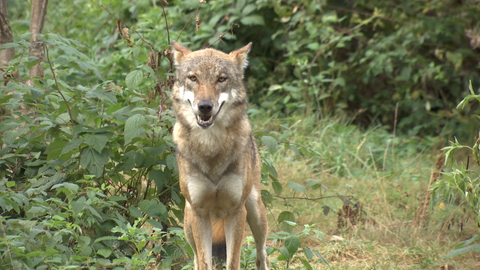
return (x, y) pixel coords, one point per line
(88, 174)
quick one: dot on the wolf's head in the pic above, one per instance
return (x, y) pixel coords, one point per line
(207, 83)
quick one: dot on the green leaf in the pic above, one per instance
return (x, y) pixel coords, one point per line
(292, 243)
(104, 95)
(286, 255)
(329, 17)
(10, 184)
(296, 150)
(36, 211)
(55, 149)
(314, 46)
(71, 51)
(94, 161)
(97, 142)
(9, 45)
(86, 67)
(155, 151)
(240, 4)
(339, 82)
(274, 87)
(117, 198)
(134, 127)
(171, 162)
(313, 183)
(283, 218)
(66, 188)
(270, 142)
(326, 210)
(248, 9)
(252, 20)
(320, 256)
(105, 252)
(158, 177)
(134, 78)
(78, 205)
(296, 187)
(404, 74)
(135, 212)
(71, 145)
(132, 159)
(106, 238)
(277, 186)
(155, 223)
(308, 253)
(306, 264)
(154, 209)
(93, 211)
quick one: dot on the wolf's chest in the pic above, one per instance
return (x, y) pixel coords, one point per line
(217, 199)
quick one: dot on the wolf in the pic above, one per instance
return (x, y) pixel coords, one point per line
(218, 161)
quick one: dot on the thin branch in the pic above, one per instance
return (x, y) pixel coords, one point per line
(166, 21)
(58, 87)
(223, 34)
(367, 14)
(216, 28)
(189, 19)
(312, 199)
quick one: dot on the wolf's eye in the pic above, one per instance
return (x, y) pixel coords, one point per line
(193, 78)
(222, 79)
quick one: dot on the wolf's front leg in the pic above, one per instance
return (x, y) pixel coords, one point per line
(199, 236)
(234, 228)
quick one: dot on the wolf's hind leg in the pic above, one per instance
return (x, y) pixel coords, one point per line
(257, 220)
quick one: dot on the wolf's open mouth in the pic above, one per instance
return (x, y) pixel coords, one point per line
(206, 121)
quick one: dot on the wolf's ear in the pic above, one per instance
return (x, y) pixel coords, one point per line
(179, 52)
(240, 55)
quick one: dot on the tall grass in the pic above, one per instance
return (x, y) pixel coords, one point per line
(374, 186)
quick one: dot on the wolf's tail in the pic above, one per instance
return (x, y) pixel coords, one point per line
(219, 246)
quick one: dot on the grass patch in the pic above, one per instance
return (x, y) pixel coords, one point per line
(374, 185)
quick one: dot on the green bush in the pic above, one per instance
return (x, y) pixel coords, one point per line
(81, 157)
(362, 57)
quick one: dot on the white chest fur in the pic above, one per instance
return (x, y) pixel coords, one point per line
(216, 200)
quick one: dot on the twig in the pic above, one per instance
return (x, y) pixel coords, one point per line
(58, 87)
(223, 34)
(394, 131)
(189, 19)
(216, 28)
(166, 21)
(367, 14)
(312, 199)
(434, 176)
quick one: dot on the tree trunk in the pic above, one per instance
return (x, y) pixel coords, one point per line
(6, 55)
(39, 10)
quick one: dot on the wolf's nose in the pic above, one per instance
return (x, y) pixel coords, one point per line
(205, 106)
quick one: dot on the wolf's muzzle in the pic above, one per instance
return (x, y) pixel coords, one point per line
(205, 118)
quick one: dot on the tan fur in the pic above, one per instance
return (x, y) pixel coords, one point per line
(218, 161)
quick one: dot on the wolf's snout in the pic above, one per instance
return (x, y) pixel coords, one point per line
(205, 106)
